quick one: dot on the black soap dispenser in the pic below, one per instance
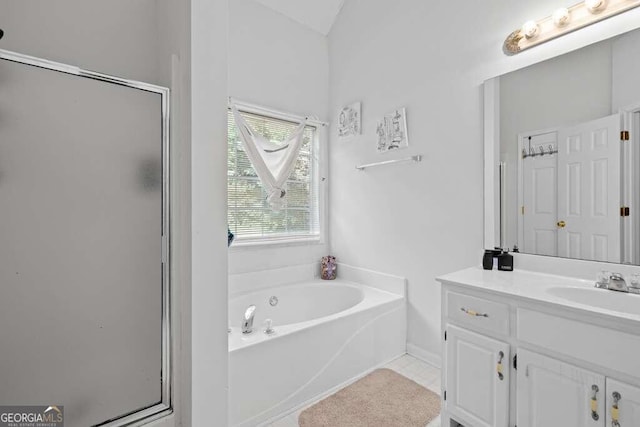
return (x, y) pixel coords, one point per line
(487, 259)
(505, 261)
(490, 258)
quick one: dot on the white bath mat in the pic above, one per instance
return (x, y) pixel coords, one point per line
(384, 398)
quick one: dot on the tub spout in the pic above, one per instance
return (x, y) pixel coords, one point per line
(247, 320)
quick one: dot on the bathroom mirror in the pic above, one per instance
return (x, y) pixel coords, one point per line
(566, 158)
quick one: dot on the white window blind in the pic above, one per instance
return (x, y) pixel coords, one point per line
(249, 215)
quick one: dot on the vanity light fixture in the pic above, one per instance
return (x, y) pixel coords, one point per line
(563, 21)
(594, 6)
(530, 29)
(561, 17)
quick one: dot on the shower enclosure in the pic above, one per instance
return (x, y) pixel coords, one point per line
(84, 276)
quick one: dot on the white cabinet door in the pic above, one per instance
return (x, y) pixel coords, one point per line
(623, 404)
(553, 393)
(477, 378)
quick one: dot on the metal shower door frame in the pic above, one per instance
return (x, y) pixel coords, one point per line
(164, 407)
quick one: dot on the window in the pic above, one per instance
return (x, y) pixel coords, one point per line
(249, 215)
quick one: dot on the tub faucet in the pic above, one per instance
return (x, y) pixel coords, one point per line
(617, 283)
(247, 320)
(614, 282)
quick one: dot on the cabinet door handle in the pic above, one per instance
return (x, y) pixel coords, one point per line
(594, 402)
(615, 411)
(473, 312)
(499, 366)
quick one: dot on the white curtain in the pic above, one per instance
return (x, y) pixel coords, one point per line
(273, 162)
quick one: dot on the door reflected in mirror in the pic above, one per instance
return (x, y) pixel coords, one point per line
(569, 154)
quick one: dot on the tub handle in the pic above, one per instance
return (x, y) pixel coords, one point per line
(268, 327)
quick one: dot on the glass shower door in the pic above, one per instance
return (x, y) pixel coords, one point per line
(83, 229)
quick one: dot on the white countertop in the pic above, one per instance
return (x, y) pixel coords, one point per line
(540, 287)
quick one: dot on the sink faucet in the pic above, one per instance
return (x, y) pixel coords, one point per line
(615, 282)
(247, 319)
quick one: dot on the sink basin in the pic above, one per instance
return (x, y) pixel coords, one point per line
(600, 298)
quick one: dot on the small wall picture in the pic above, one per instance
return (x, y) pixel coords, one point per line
(349, 121)
(392, 131)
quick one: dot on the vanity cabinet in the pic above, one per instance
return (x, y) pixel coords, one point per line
(478, 378)
(554, 393)
(514, 356)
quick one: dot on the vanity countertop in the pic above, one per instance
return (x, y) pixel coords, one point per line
(559, 290)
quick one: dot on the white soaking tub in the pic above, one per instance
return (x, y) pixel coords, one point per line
(326, 333)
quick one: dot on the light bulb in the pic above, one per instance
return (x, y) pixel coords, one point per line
(530, 29)
(560, 17)
(594, 5)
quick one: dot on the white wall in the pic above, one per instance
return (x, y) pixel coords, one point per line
(626, 69)
(422, 220)
(571, 88)
(116, 37)
(412, 220)
(276, 62)
(174, 71)
(209, 355)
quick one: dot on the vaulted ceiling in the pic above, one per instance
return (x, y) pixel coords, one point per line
(318, 15)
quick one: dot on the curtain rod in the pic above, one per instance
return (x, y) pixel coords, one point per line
(254, 108)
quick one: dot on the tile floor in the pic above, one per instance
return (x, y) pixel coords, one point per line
(412, 368)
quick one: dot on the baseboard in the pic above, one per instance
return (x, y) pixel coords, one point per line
(433, 359)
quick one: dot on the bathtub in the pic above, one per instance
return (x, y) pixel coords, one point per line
(327, 333)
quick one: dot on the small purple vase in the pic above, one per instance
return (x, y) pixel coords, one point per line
(329, 268)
